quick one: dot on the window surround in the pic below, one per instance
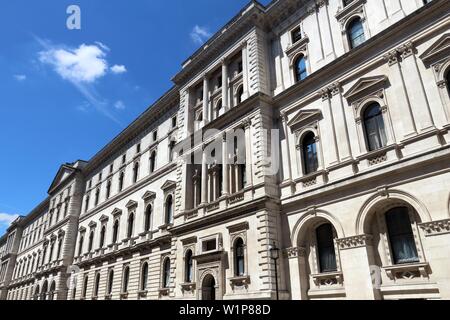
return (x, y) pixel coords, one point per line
(239, 231)
(437, 57)
(143, 290)
(355, 9)
(361, 95)
(299, 136)
(165, 287)
(294, 52)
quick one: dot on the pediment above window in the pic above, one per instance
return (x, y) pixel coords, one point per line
(131, 204)
(299, 46)
(356, 6)
(169, 184)
(82, 229)
(116, 212)
(149, 195)
(365, 87)
(439, 51)
(304, 118)
(104, 218)
(92, 224)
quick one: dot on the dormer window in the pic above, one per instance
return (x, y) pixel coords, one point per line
(296, 35)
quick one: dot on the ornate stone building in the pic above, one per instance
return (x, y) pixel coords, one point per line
(317, 127)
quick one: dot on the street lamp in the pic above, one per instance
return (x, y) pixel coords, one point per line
(275, 255)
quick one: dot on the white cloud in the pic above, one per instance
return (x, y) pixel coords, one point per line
(20, 77)
(80, 66)
(84, 64)
(118, 69)
(7, 219)
(119, 105)
(200, 34)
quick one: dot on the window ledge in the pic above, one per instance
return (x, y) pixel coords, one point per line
(348, 10)
(124, 295)
(408, 271)
(164, 292)
(297, 46)
(108, 297)
(143, 293)
(328, 279)
(240, 281)
(188, 287)
(380, 152)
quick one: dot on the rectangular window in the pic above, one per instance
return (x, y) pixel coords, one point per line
(138, 148)
(155, 135)
(296, 35)
(124, 159)
(174, 122)
(209, 245)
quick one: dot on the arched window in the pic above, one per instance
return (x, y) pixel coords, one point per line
(447, 80)
(188, 267)
(121, 179)
(239, 258)
(115, 231)
(135, 172)
(97, 196)
(218, 108)
(309, 150)
(171, 150)
(97, 284)
(239, 94)
(85, 285)
(126, 277)
(36, 292)
(144, 276)
(300, 68)
(108, 189)
(169, 210)
(355, 32)
(52, 247)
(91, 241)
(110, 282)
(325, 248)
(52, 291)
(102, 236)
(401, 237)
(60, 244)
(153, 162)
(148, 217)
(130, 225)
(80, 246)
(374, 127)
(44, 290)
(166, 273)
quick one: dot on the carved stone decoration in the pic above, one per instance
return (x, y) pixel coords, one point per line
(435, 227)
(240, 282)
(294, 252)
(354, 242)
(438, 52)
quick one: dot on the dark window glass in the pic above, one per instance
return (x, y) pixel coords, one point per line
(148, 216)
(239, 257)
(356, 33)
(126, 276)
(144, 276)
(169, 210)
(401, 236)
(110, 281)
(296, 35)
(115, 231)
(166, 273)
(188, 267)
(102, 237)
(374, 126)
(310, 157)
(130, 226)
(325, 248)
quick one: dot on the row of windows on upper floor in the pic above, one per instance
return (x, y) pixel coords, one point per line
(239, 267)
(374, 132)
(136, 174)
(130, 227)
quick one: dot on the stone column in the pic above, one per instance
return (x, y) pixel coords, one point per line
(437, 238)
(225, 103)
(204, 179)
(225, 161)
(297, 273)
(248, 153)
(414, 86)
(341, 122)
(356, 259)
(206, 117)
(329, 130)
(400, 99)
(245, 70)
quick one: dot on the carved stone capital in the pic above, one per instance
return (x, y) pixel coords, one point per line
(354, 242)
(435, 227)
(391, 57)
(294, 252)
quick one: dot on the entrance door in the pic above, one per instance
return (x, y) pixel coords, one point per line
(209, 288)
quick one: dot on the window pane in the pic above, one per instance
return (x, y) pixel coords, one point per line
(401, 236)
(325, 246)
(356, 33)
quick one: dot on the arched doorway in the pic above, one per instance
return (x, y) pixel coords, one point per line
(209, 288)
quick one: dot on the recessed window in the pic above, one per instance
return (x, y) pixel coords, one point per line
(144, 276)
(355, 33)
(155, 135)
(102, 236)
(138, 148)
(309, 150)
(296, 35)
(188, 265)
(153, 161)
(169, 209)
(374, 127)
(124, 159)
(325, 248)
(174, 122)
(239, 258)
(126, 278)
(115, 231)
(166, 273)
(209, 245)
(300, 69)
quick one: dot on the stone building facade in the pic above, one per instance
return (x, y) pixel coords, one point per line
(317, 127)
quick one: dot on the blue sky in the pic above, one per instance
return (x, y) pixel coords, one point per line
(65, 93)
